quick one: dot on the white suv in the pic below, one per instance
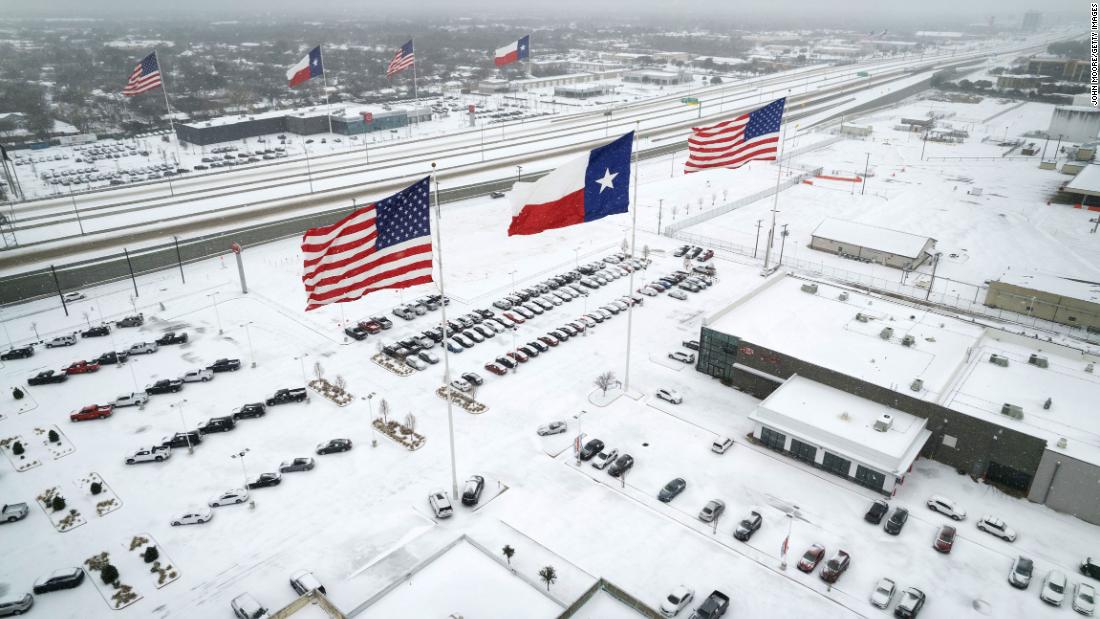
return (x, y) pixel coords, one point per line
(946, 506)
(670, 395)
(440, 504)
(149, 454)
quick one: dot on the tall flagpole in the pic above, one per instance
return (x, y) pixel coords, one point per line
(324, 80)
(416, 97)
(633, 239)
(775, 201)
(164, 89)
(443, 324)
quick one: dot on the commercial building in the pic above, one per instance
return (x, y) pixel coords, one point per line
(654, 76)
(586, 91)
(1015, 411)
(1032, 21)
(1075, 123)
(345, 121)
(1073, 302)
(1070, 69)
(1086, 186)
(1006, 82)
(866, 243)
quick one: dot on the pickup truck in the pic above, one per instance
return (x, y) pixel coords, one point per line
(167, 385)
(13, 512)
(284, 396)
(172, 338)
(716, 605)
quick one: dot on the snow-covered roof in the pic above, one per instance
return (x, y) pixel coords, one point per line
(843, 424)
(872, 237)
(1053, 284)
(1087, 181)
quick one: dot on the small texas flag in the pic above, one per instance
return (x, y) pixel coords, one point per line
(307, 68)
(513, 52)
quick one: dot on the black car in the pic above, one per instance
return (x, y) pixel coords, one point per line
(683, 250)
(896, 521)
(356, 332)
(691, 344)
(99, 331)
(1090, 568)
(18, 353)
(109, 358)
(217, 424)
(61, 579)
(266, 480)
(671, 490)
(283, 396)
(172, 338)
(248, 411)
(335, 445)
(47, 377)
(877, 511)
(181, 440)
(473, 379)
(748, 526)
(621, 466)
(485, 314)
(590, 449)
(471, 494)
(131, 321)
(167, 385)
(225, 365)
(435, 335)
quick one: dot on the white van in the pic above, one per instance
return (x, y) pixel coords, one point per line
(441, 505)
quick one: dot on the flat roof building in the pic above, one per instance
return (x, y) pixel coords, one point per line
(866, 243)
(654, 76)
(1086, 185)
(1069, 301)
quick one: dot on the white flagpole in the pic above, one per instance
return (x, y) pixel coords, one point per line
(416, 97)
(775, 201)
(324, 80)
(164, 89)
(633, 239)
(443, 324)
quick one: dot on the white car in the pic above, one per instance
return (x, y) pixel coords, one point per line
(670, 395)
(883, 593)
(196, 517)
(601, 460)
(1084, 599)
(131, 399)
(1054, 588)
(682, 357)
(196, 376)
(946, 506)
(460, 385)
(648, 291)
(997, 527)
(303, 581)
(62, 340)
(721, 445)
(680, 597)
(440, 504)
(149, 454)
(235, 496)
(73, 296)
(554, 427)
(143, 348)
(246, 607)
(415, 362)
(678, 294)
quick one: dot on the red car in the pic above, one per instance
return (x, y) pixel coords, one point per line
(370, 327)
(548, 340)
(835, 566)
(516, 318)
(495, 369)
(812, 557)
(945, 539)
(92, 411)
(518, 356)
(82, 367)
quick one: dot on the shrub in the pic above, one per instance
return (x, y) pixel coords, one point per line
(58, 503)
(53, 437)
(17, 448)
(151, 554)
(96, 487)
(109, 574)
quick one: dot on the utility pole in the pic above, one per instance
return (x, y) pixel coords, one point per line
(866, 167)
(179, 257)
(660, 210)
(782, 244)
(935, 263)
(756, 245)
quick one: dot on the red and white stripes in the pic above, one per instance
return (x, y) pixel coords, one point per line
(723, 146)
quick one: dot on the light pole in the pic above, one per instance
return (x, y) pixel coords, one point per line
(244, 471)
(248, 335)
(580, 435)
(214, 297)
(782, 244)
(373, 430)
(183, 422)
(519, 174)
(787, 541)
(302, 361)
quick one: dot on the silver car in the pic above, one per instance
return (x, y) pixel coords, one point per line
(1084, 598)
(1054, 588)
(601, 460)
(554, 427)
(712, 510)
(883, 593)
(15, 604)
(200, 375)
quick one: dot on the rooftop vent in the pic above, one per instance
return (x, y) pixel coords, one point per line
(1062, 443)
(884, 422)
(843, 296)
(1088, 368)
(1038, 361)
(908, 340)
(998, 360)
(1012, 411)
(886, 333)
(810, 288)
(861, 317)
(917, 384)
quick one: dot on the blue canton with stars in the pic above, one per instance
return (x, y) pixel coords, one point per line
(404, 215)
(765, 120)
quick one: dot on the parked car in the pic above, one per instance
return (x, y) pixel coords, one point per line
(835, 566)
(47, 377)
(946, 506)
(716, 605)
(199, 375)
(1054, 588)
(12, 512)
(601, 460)
(182, 440)
(82, 367)
(677, 600)
(99, 331)
(246, 607)
(1084, 599)
(131, 321)
(876, 512)
(61, 340)
(149, 454)
(1020, 574)
(73, 296)
(997, 528)
(370, 326)
(131, 399)
(495, 369)
(682, 357)
(415, 362)
(303, 581)
(428, 357)
(721, 444)
(678, 294)
(332, 446)
(459, 384)
(166, 385)
(473, 378)
(171, 338)
(356, 332)
(218, 424)
(621, 465)
(1090, 568)
(748, 526)
(471, 493)
(296, 465)
(912, 600)
(17, 353)
(712, 510)
(440, 504)
(14, 604)
(66, 578)
(265, 480)
(945, 539)
(224, 365)
(554, 427)
(896, 521)
(91, 411)
(235, 496)
(142, 348)
(670, 395)
(813, 555)
(883, 593)
(112, 358)
(672, 490)
(285, 396)
(590, 449)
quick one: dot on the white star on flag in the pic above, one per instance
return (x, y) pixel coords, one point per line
(607, 181)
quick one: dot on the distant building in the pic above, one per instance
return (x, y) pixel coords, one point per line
(585, 91)
(1070, 69)
(900, 250)
(856, 131)
(654, 76)
(345, 121)
(1032, 21)
(1072, 302)
(1005, 82)
(1075, 123)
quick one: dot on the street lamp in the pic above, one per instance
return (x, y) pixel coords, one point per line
(240, 456)
(248, 335)
(791, 515)
(302, 361)
(580, 435)
(217, 315)
(183, 422)
(373, 429)
(519, 174)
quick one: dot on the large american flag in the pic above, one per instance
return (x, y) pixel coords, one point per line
(733, 143)
(146, 76)
(402, 60)
(387, 244)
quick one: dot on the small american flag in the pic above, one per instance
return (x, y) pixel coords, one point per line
(146, 76)
(402, 60)
(387, 244)
(733, 143)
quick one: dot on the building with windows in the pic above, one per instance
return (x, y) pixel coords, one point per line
(1032, 21)
(851, 239)
(654, 76)
(1071, 69)
(345, 121)
(1069, 301)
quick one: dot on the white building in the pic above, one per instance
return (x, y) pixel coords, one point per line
(872, 244)
(1075, 123)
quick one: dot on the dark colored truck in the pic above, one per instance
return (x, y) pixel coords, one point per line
(284, 396)
(716, 605)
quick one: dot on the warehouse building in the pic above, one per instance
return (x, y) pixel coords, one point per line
(865, 243)
(1086, 186)
(1014, 411)
(1073, 302)
(1075, 123)
(345, 121)
(586, 91)
(1070, 69)
(654, 76)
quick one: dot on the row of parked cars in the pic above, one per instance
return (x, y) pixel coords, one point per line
(26, 352)
(678, 284)
(693, 252)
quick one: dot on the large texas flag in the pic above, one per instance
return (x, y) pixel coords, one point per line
(513, 52)
(585, 189)
(306, 69)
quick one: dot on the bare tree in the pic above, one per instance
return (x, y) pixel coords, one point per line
(645, 252)
(410, 422)
(606, 380)
(508, 552)
(626, 246)
(341, 384)
(384, 410)
(548, 575)
(318, 371)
